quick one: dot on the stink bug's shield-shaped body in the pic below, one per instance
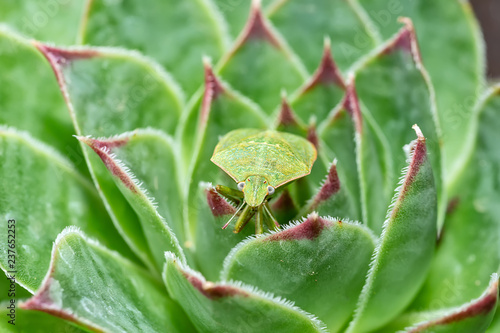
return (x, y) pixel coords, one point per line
(260, 161)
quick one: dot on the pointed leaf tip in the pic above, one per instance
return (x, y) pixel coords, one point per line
(217, 204)
(405, 40)
(418, 155)
(103, 149)
(211, 290)
(481, 306)
(312, 136)
(327, 71)
(329, 187)
(257, 27)
(286, 116)
(213, 88)
(60, 56)
(351, 104)
(309, 229)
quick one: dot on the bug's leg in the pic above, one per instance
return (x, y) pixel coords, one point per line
(234, 215)
(271, 221)
(232, 194)
(245, 216)
(259, 227)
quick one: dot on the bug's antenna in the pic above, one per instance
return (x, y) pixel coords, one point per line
(236, 213)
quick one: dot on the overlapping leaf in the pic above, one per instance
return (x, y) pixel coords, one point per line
(403, 254)
(456, 82)
(232, 307)
(56, 198)
(101, 105)
(175, 33)
(260, 64)
(304, 24)
(325, 262)
(136, 149)
(33, 102)
(221, 111)
(397, 93)
(460, 272)
(108, 294)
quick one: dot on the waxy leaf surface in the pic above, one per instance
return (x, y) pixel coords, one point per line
(57, 197)
(457, 82)
(175, 33)
(459, 273)
(51, 21)
(103, 106)
(394, 87)
(325, 262)
(230, 307)
(304, 24)
(33, 102)
(134, 148)
(108, 294)
(260, 65)
(404, 251)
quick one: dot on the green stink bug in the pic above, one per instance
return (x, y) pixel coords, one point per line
(260, 161)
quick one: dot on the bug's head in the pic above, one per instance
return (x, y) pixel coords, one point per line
(255, 189)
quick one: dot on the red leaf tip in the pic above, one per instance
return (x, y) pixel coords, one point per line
(312, 135)
(329, 187)
(62, 56)
(405, 40)
(103, 149)
(217, 204)
(327, 71)
(481, 306)
(213, 291)
(257, 27)
(213, 88)
(310, 229)
(351, 104)
(286, 117)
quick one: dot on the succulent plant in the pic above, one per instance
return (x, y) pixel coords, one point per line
(110, 214)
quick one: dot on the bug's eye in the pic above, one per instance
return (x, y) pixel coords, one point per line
(270, 190)
(241, 185)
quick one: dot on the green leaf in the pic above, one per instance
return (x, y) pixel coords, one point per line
(403, 254)
(305, 24)
(41, 191)
(221, 111)
(33, 102)
(351, 137)
(260, 64)
(229, 307)
(101, 105)
(322, 92)
(176, 34)
(236, 13)
(475, 316)
(337, 134)
(459, 273)
(456, 82)
(29, 321)
(320, 264)
(108, 294)
(212, 243)
(148, 146)
(107, 87)
(54, 21)
(396, 90)
(331, 199)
